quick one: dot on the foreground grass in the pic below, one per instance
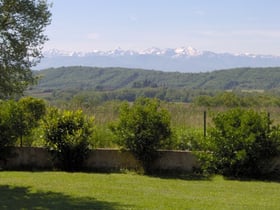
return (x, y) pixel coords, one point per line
(59, 190)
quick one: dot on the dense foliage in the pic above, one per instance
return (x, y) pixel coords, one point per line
(22, 23)
(242, 143)
(143, 128)
(7, 127)
(30, 111)
(17, 119)
(67, 135)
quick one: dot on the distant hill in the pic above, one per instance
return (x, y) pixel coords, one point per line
(183, 59)
(92, 78)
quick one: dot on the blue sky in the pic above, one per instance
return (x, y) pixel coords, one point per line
(235, 26)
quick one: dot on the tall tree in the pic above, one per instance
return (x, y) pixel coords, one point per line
(22, 23)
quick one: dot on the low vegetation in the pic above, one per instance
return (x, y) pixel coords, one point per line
(238, 99)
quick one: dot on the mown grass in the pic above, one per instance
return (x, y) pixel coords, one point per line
(60, 190)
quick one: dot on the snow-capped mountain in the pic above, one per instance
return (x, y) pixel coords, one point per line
(183, 59)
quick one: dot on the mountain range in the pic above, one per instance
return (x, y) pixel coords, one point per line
(183, 59)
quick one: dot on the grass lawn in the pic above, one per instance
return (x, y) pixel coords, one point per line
(60, 190)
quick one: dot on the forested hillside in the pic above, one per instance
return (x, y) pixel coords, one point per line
(93, 78)
(95, 85)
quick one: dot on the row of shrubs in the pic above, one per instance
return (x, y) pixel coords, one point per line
(241, 99)
(241, 143)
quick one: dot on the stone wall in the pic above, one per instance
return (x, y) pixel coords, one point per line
(111, 160)
(107, 160)
(28, 158)
(100, 159)
(176, 160)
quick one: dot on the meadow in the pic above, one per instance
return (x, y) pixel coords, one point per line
(61, 190)
(187, 119)
(186, 115)
(187, 122)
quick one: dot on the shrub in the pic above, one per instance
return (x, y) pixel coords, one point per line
(187, 139)
(242, 144)
(30, 111)
(18, 119)
(67, 136)
(143, 128)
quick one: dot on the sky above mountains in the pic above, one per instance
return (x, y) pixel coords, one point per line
(239, 26)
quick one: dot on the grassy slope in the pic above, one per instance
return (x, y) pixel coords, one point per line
(89, 78)
(59, 190)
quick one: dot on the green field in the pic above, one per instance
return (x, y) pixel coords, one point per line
(60, 190)
(186, 121)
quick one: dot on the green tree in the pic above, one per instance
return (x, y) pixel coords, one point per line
(243, 143)
(29, 113)
(17, 119)
(143, 128)
(67, 135)
(22, 23)
(8, 126)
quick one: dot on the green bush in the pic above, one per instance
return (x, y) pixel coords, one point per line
(103, 137)
(242, 144)
(30, 111)
(17, 120)
(67, 135)
(187, 139)
(143, 128)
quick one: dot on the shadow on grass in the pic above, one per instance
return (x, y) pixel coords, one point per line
(24, 198)
(167, 174)
(275, 179)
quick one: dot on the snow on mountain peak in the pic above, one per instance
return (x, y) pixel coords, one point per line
(152, 51)
(187, 51)
(181, 59)
(177, 52)
(180, 52)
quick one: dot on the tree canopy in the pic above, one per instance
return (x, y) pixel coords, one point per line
(22, 23)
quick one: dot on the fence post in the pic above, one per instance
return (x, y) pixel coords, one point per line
(268, 121)
(204, 123)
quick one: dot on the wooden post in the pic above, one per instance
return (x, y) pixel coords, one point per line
(268, 121)
(21, 129)
(204, 123)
